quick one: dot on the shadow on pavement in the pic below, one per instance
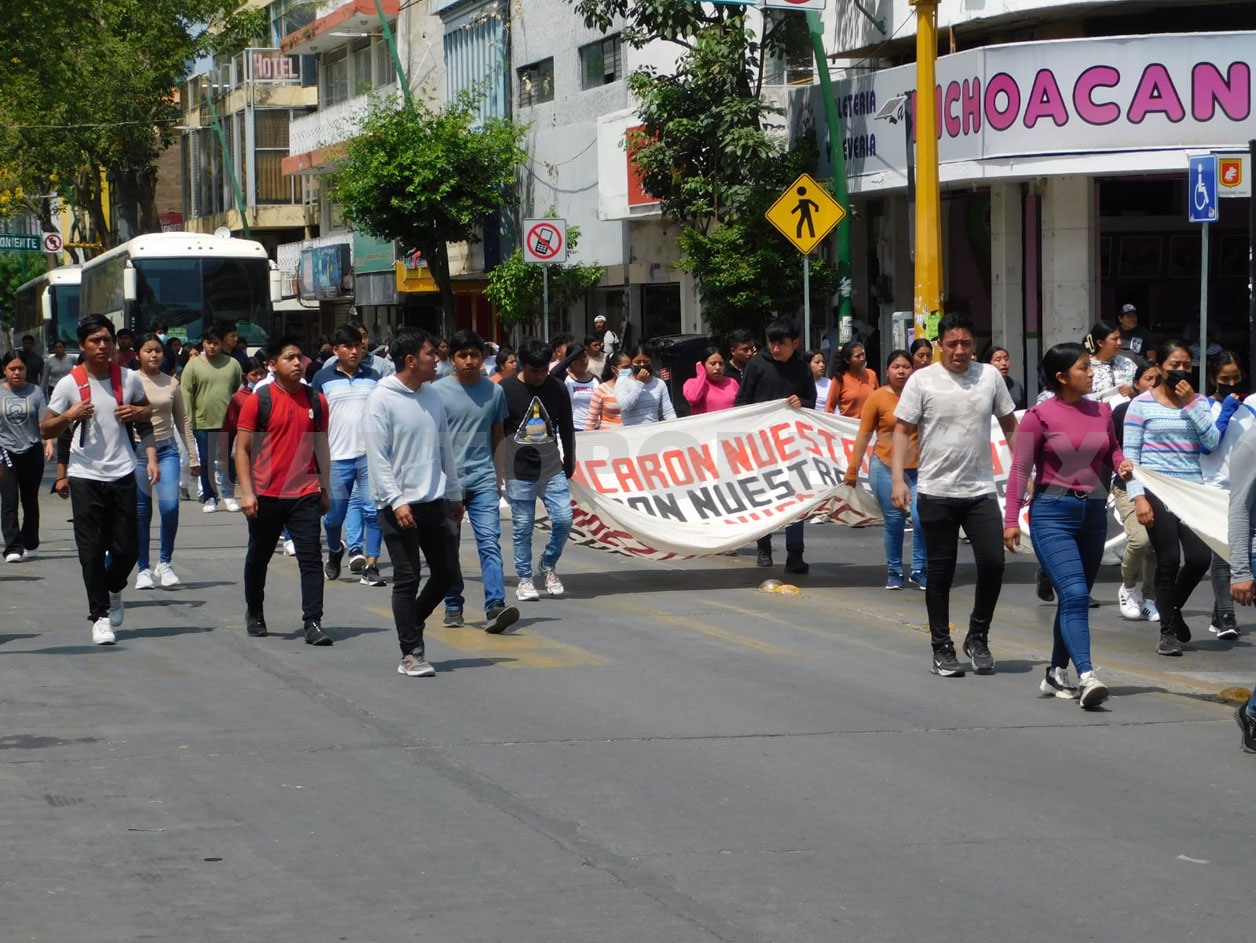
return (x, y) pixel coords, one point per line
(1014, 666)
(456, 664)
(125, 633)
(14, 638)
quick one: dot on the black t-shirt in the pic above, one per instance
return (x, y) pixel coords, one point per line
(540, 462)
(1138, 341)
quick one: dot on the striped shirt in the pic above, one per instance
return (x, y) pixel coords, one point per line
(346, 400)
(603, 409)
(1168, 440)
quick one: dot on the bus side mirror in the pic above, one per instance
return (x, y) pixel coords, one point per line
(46, 305)
(276, 284)
(130, 284)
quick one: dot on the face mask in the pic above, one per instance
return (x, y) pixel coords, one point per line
(625, 372)
(1227, 388)
(1174, 377)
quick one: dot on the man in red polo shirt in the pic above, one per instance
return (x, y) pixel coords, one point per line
(283, 465)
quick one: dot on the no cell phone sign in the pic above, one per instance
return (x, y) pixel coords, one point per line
(545, 241)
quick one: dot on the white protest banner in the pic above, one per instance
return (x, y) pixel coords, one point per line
(706, 484)
(1204, 510)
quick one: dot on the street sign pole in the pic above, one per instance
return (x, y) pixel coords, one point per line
(1201, 207)
(806, 301)
(1203, 310)
(545, 305)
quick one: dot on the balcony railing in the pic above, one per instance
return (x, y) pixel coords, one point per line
(334, 123)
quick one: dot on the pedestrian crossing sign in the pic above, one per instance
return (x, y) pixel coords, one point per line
(805, 214)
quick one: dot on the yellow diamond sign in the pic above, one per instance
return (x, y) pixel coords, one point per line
(805, 213)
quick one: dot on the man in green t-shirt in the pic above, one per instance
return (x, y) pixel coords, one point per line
(208, 382)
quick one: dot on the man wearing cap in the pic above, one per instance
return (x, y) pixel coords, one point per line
(1135, 339)
(609, 337)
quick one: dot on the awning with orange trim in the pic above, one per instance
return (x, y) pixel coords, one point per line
(326, 32)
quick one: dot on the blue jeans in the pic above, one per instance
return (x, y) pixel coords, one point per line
(167, 500)
(349, 488)
(896, 520)
(1068, 535)
(556, 497)
(215, 455)
(486, 523)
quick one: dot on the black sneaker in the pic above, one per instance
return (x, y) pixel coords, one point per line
(946, 665)
(764, 558)
(1169, 645)
(1046, 592)
(978, 651)
(255, 625)
(357, 560)
(331, 569)
(794, 563)
(314, 634)
(500, 618)
(1224, 626)
(1247, 724)
(371, 577)
(1180, 628)
(453, 618)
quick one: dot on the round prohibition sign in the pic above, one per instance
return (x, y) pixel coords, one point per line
(52, 242)
(545, 241)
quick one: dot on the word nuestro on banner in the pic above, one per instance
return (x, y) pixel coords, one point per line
(706, 484)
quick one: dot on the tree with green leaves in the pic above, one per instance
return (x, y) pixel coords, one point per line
(706, 150)
(427, 177)
(16, 269)
(89, 97)
(517, 287)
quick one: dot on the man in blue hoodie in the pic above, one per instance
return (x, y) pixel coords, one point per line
(775, 374)
(415, 485)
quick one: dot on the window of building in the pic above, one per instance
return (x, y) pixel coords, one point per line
(601, 63)
(335, 77)
(536, 83)
(361, 57)
(789, 60)
(385, 69)
(271, 130)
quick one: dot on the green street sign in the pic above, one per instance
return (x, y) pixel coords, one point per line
(15, 242)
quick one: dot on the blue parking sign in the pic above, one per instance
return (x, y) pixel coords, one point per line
(1201, 198)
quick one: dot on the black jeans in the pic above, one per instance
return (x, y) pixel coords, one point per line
(941, 519)
(301, 517)
(20, 484)
(1182, 559)
(436, 535)
(104, 523)
(794, 541)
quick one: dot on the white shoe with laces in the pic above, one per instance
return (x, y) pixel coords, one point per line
(1131, 603)
(1057, 683)
(144, 579)
(232, 504)
(102, 632)
(553, 585)
(1091, 691)
(165, 575)
(209, 507)
(1150, 612)
(525, 591)
(14, 557)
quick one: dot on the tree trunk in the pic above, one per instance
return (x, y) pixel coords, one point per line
(89, 197)
(146, 193)
(126, 209)
(437, 255)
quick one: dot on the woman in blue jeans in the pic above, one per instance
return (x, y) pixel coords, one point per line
(169, 421)
(878, 417)
(1070, 446)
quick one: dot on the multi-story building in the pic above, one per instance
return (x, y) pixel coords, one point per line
(1064, 135)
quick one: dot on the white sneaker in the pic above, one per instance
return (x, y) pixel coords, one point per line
(232, 504)
(289, 548)
(525, 591)
(1150, 612)
(144, 579)
(1057, 683)
(1093, 692)
(210, 506)
(13, 557)
(553, 585)
(1131, 603)
(166, 575)
(29, 555)
(102, 632)
(117, 611)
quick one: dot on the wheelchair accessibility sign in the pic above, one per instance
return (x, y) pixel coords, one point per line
(1201, 201)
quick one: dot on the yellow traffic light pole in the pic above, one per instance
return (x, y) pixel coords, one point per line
(928, 300)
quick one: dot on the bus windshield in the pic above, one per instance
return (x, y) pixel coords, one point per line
(189, 294)
(65, 314)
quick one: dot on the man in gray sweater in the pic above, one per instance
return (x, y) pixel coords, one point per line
(415, 485)
(1242, 547)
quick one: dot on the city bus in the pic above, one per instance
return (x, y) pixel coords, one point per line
(47, 308)
(187, 281)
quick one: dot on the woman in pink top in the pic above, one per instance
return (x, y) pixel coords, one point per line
(1070, 445)
(710, 391)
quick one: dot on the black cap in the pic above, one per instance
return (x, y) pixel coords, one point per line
(1128, 309)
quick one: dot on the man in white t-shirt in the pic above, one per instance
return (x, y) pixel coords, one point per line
(99, 472)
(950, 404)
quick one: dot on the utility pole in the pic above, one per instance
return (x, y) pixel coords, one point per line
(226, 159)
(928, 300)
(402, 79)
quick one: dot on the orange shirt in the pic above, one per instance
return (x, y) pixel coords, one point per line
(847, 394)
(878, 414)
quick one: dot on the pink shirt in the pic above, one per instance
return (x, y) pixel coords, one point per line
(707, 397)
(1068, 445)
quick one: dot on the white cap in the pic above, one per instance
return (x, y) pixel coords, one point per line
(600, 317)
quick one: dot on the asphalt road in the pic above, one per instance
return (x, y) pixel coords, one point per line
(664, 755)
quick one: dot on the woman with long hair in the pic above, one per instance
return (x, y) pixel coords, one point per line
(604, 408)
(22, 405)
(878, 418)
(643, 397)
(921, 351)
(819, 372)
(709, 390)
(853, 382)
(1167, 429)
(1001, 360)
(1067, 443)
(507, 365)
(169, 421)
(1112, 370)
